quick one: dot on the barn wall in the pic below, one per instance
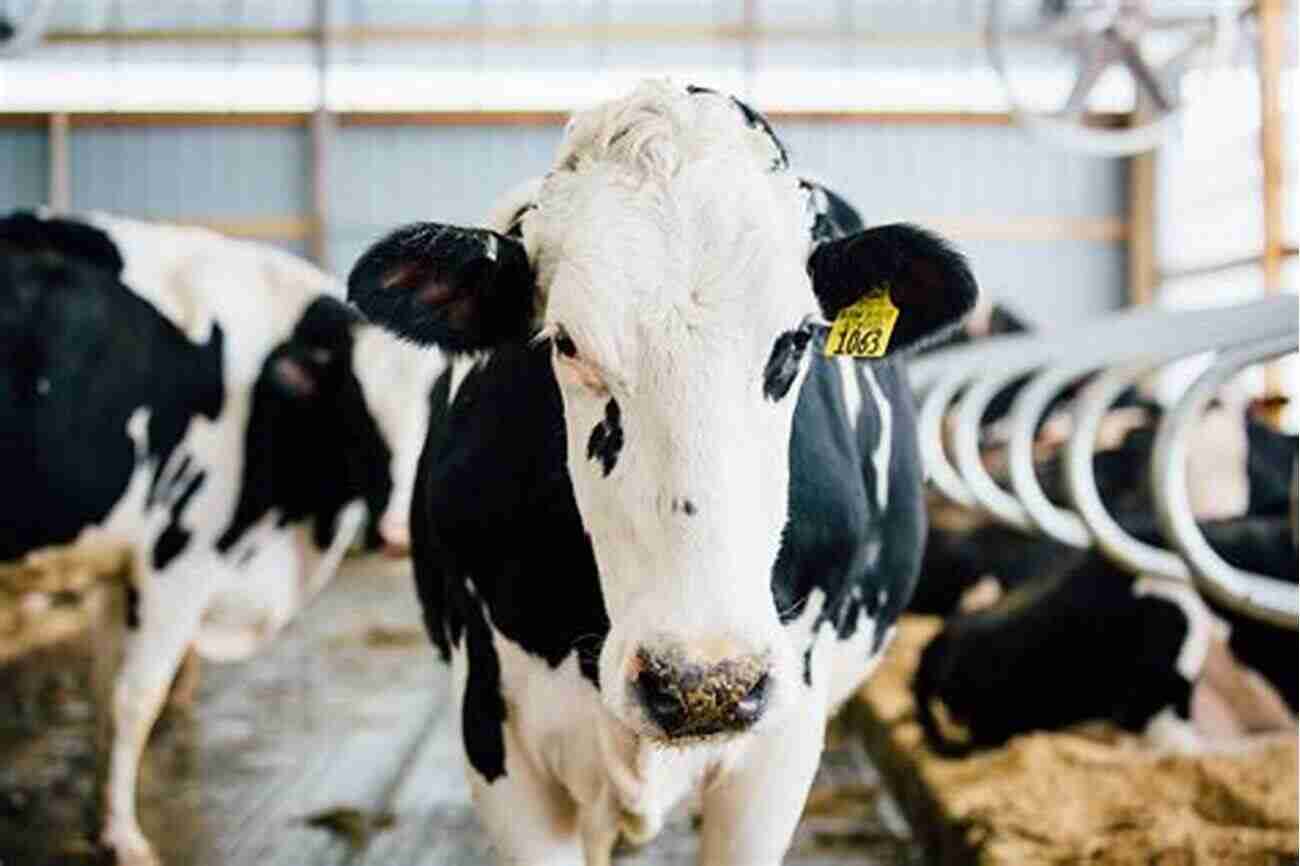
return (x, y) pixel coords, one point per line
(982, 174)
(391, 175)
(381, 176)
(213, 171)
(24, 167)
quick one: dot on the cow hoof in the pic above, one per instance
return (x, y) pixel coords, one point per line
(129, 846)
(635, 830)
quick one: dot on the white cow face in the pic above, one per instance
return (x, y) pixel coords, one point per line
(667, 260)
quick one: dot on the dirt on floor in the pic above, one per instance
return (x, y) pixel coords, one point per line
(1093, 794)
(53, 594)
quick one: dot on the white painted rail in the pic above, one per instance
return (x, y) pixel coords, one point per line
(957, 385)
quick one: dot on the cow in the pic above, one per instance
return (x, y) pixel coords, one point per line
(1086, 639)
(233, 460)
(193, 274)
(658, 533)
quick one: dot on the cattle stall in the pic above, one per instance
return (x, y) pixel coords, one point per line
(516, 430)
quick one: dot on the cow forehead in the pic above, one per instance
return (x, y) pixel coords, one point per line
(660, 125)
(709, 261)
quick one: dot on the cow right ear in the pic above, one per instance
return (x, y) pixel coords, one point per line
(460, 289)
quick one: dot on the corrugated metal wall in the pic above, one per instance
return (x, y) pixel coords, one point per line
(190, 170)
(392, 175)
(379, 176)
(24, 167)
(989, 173)
(382, 176)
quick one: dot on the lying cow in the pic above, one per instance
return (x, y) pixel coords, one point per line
(235, 470)
(1093, 641)
(651, 512)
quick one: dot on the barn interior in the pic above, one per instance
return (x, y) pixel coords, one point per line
(1122, 177)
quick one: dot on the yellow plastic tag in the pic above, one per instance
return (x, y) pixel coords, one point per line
(863, 328)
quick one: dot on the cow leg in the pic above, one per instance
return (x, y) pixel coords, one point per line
(168, 614)
(185, 688)
(751, 810)
(599, 823)
(531, 820)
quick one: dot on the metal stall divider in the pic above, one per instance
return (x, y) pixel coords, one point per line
(1125, 346)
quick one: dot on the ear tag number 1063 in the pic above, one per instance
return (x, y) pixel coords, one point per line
(863, 328)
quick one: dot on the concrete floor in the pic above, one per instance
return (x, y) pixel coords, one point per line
(347, 710)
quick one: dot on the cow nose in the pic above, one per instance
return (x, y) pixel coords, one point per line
(687, 699)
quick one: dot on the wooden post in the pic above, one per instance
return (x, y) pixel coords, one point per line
(1143, 276)
(59, 184)
(1271, 17)
(749, 47)
(322, 136)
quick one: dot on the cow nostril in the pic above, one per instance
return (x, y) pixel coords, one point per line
(662, 704)
(752, 703)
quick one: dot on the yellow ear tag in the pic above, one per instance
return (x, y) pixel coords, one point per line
(863, 328)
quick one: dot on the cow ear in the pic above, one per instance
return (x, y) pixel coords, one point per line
(302, 370)
(918, 273)
(457, 288)
(293, 378)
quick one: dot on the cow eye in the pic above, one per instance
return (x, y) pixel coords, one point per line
(564, 345)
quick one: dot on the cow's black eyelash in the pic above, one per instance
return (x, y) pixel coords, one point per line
(564, 345)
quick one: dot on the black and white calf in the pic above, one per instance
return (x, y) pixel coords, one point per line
(1074, 637)
(650, 511)
(1093, 641)
(232, 446)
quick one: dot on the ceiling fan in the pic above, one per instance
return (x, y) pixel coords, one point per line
(22, 23)
(1073, 68)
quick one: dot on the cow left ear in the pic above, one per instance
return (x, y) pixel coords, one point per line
(460, 289)
(894, 267)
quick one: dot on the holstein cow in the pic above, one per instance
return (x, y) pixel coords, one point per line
(193, 275)
(234, 463)
(658, 532)
(1158, 660)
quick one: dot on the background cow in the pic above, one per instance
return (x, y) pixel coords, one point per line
(234, 460)
(671, 519)
(1090, 640)
(1074, 637)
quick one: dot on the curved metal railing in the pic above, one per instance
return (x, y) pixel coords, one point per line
(957, 385)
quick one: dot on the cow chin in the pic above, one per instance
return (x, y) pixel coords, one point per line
(680, 692)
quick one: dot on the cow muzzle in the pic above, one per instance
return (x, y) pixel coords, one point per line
(685, 696)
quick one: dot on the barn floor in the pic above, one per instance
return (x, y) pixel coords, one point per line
(336, 746)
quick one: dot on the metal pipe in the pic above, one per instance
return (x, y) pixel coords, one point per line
(1058, 523)
(1081, 484)
(934, 408)
(966, 449)
(1265, 598)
